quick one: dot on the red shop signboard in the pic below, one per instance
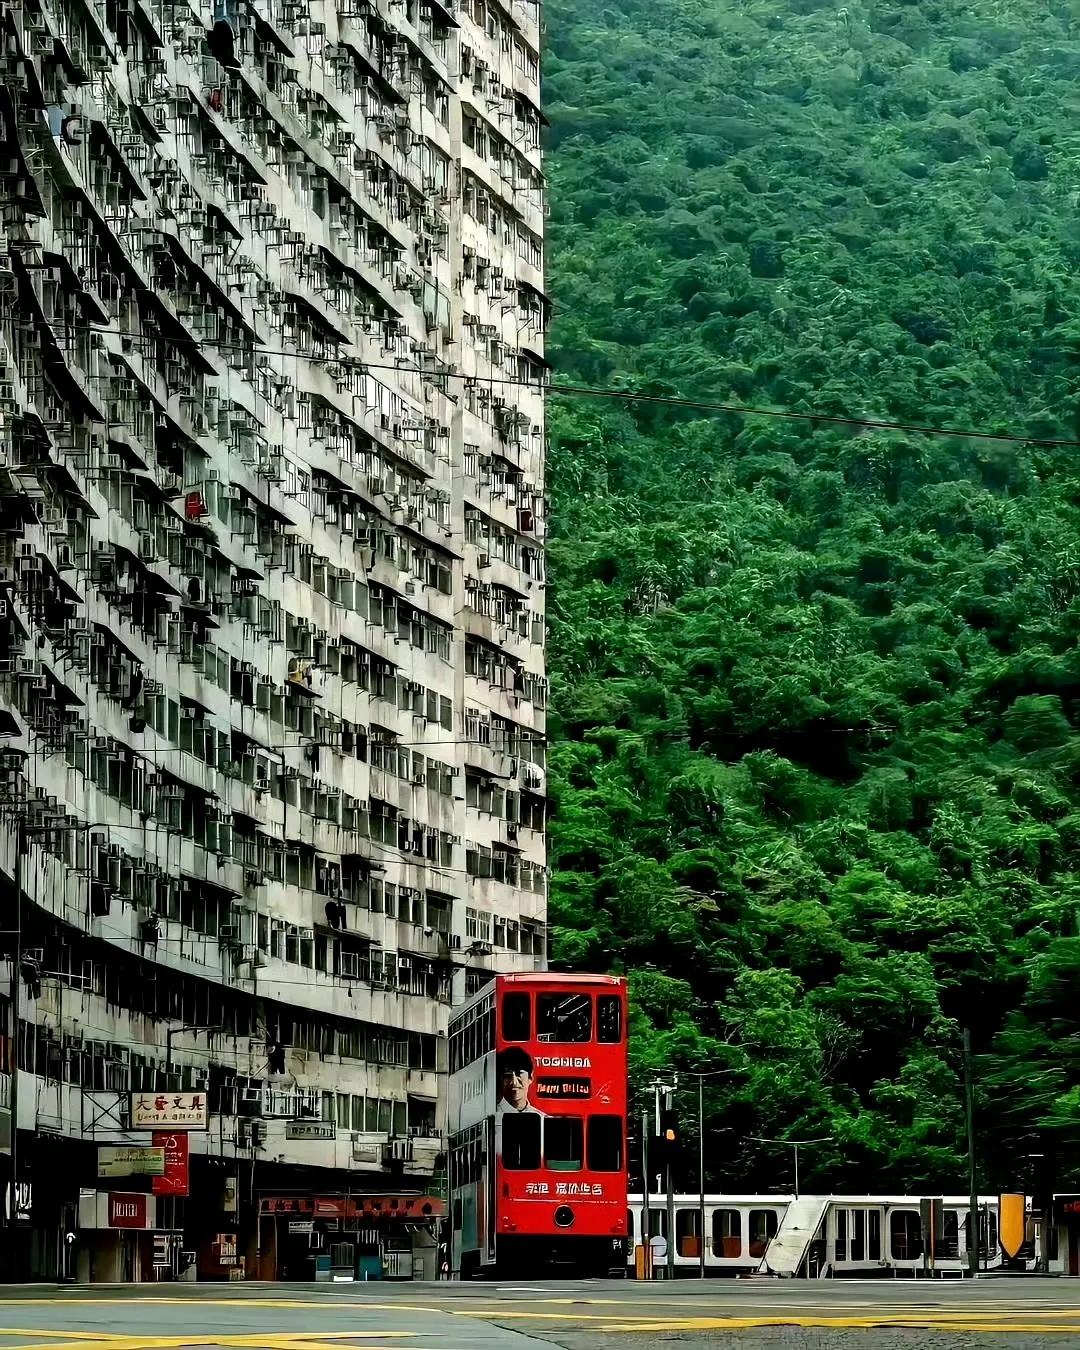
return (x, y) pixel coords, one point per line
(174, 1181)
(127, 1210)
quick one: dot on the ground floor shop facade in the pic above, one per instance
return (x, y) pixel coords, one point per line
(242, 1218)
(395, 1236)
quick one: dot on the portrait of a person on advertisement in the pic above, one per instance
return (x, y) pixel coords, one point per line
(515, 1070)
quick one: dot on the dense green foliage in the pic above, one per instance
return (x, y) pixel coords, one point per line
(816, 688)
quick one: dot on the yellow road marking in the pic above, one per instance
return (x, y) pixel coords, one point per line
(48, 1331)
(248, 1341)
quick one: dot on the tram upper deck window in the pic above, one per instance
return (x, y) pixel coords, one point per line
(563, 1018)
(609, 1019)
(516, 1017)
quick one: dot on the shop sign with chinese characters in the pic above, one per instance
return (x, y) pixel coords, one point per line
(130, 1162)
(174, 1177)
(544, 1189)
(169, 1111)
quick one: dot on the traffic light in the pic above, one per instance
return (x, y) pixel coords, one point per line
(664, 1150)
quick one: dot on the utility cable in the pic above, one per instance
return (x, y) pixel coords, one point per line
(624, 395)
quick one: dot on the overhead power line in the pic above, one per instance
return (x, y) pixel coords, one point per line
(565, 390)
(837, 419)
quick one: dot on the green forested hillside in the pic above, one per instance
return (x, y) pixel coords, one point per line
(817, 687)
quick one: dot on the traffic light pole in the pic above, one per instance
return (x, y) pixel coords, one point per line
(701, 1176)
(669, 1151)
(646, 1224)
(973, 1185)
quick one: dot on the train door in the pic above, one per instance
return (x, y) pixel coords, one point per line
(856, 1233)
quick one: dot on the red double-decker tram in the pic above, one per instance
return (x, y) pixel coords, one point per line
(538, 1126)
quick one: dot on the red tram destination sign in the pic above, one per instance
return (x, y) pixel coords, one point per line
(354, 1206)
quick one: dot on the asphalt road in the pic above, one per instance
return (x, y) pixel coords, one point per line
(830, 1315)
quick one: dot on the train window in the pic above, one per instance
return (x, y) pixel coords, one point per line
(609, 1019)
(521, 1141)
(630, 1226)
(658, 1223)
(873, 1235)
(564, 1140)
(516, 1017)
(905, 1235)
(687, 1234)
(605, 1143)
(840, 1246)
(763, 1226)
(726, 1233)
(563, 1018)
(948, 1248)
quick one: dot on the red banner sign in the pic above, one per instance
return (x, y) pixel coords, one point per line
(127, 1210)
(175, 1178)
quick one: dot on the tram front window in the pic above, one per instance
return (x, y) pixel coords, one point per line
(563, 1019)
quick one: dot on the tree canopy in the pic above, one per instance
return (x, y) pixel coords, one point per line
(816, 685)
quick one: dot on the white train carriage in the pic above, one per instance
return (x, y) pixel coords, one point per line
(817, 1236)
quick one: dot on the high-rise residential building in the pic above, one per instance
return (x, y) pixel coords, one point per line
(272, 690)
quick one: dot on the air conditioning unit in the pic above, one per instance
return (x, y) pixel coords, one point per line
(249, 1102)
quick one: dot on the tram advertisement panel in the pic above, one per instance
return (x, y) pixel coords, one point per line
(560, 1084)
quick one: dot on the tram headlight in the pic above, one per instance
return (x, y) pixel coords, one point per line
(564, 1217)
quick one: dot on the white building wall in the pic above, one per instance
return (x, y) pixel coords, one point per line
(271, 553)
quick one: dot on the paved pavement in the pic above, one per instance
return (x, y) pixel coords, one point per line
(586, 1315)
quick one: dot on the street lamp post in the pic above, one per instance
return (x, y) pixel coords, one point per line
(701, 1076)
(701, 1176)
(11, 1207)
